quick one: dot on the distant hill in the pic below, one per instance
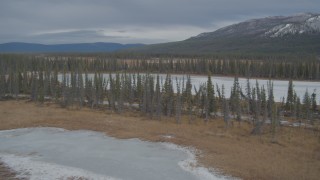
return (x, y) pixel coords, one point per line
(18, 47)
(279, 34)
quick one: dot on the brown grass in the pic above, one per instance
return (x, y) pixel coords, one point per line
(296, 155)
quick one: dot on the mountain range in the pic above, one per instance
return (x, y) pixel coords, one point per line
(19, 47)
(298, 33)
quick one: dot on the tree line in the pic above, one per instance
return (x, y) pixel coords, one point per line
(304, 69)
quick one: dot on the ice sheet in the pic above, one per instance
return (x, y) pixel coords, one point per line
(51, 153)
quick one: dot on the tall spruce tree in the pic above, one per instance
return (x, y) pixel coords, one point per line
(314, 101)
(158, 99)
(178, 102)
(211, 96)
(188, 98)
(306, 106)
(168, 96)
(290, 98)
(226, 111)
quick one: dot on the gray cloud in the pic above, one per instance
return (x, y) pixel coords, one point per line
(74, 36)
(131, 21)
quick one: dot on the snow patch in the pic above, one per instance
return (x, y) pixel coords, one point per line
(313, 19)
(28, 167)
(168, 136)
(309, 25)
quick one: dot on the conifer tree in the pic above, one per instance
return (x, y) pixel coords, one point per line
(16, 85)
(121, 90)
(131, 86)
(290, 98)
(178, 102)
(188, 98)
(34, 87)
(158, 99)
(210, 95)
(264, 105)
(41, 87)
(24, 82)
(270, 98)
(258, 103)
(254, 105)
(111, 94)
(139, 91)
(64, 90)
(145, 102)
(274, 122)
(235, 100)
(226, 111)
(306, 105)
(168, 96)
(314, 101)
(248, 97)
(298, 109)
(81, 91)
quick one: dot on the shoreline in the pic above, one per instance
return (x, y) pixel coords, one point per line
(233, 152)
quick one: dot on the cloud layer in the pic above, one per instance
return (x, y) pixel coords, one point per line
(131, 21)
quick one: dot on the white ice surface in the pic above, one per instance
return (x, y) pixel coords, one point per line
(52, 153)
(30, 168)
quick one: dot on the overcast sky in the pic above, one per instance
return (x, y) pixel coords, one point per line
(131, 21)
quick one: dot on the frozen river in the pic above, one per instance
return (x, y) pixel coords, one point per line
(52, 153)
(280, 86)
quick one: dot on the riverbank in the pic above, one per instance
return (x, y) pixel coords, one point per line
(296, 155)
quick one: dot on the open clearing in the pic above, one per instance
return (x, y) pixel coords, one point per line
(233, 151)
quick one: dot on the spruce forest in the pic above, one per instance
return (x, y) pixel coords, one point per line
(135, 85)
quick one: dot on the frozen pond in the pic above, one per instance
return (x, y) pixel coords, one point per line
(280, 86)
(52, 153)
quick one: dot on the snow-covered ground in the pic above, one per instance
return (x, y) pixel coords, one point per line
(311, 24)
(52, 153)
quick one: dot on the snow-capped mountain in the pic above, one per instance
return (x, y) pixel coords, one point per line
(276, 26)
(298, 33)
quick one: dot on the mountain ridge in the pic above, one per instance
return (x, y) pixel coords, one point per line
(23, 47)
(298, 33)
(304, 22)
